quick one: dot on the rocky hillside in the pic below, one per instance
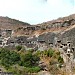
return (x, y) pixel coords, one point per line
(61, 19)
(58, 26)
(21, 28)
(62, 28)
(8, 23)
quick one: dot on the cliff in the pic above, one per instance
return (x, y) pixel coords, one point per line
(62, 28)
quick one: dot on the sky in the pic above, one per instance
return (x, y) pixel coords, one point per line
(36, 11)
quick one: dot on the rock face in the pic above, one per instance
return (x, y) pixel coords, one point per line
(68, 36)
(62, 29)
(41, 36)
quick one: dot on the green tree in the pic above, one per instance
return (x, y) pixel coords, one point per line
(29, 60)
(8, 57)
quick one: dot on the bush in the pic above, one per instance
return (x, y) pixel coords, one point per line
(24, 70)
(60, 59)
(32, 70)
(19, 47)
(56, 54)
(50, 53)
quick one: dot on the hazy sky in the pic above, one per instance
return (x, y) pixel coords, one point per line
(36, 11)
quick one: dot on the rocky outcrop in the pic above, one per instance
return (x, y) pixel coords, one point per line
(68, 36)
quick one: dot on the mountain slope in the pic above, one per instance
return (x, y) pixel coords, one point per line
(8, 23)
(59, 25)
